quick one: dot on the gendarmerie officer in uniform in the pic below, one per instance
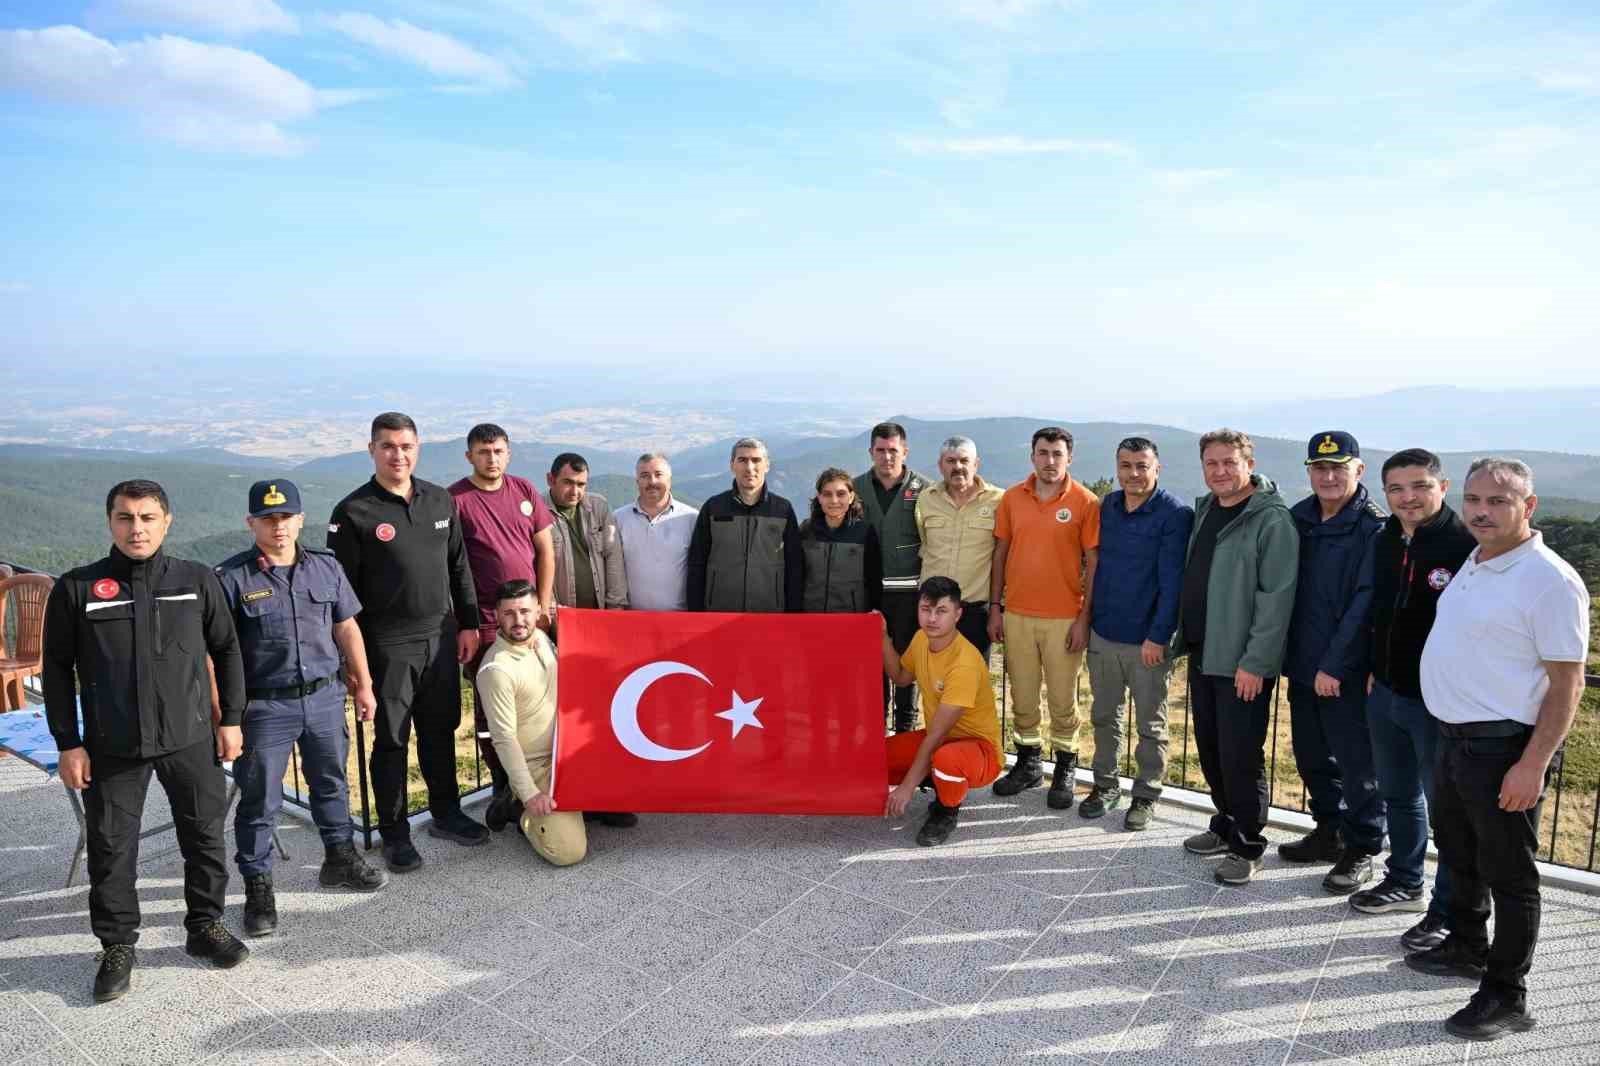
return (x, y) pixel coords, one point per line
(136, 628)
(400, 543)
(296, 618)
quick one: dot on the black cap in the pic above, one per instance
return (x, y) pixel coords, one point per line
(274, 497)
(1334, 446)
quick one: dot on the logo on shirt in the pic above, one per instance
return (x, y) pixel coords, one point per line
(443, 523)
(384, 532)
(333, 527)
(938, 686)
(526, 507)
(1064, 515)
(105, 588)
(1438, 578)
(985, 511)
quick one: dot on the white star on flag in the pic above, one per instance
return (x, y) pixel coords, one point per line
(742, 713)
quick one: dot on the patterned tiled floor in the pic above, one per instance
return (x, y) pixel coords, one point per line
(1031, 937)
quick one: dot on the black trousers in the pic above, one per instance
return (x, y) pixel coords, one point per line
(1490, 854)
(974, 625)
(417, 682)
(1333, 752)
(899, 607)
(1230, 735)
(113, 806)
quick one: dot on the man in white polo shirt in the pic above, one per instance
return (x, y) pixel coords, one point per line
(1502, 671)
(655, 531)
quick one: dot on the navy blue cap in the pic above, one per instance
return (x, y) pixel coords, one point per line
(1334, 446)
(274, 497)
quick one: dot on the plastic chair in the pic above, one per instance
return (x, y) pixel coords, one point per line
(25, 660)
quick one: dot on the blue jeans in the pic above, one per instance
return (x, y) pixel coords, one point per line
(271, 728)
(1405, 742)
(1333, 752)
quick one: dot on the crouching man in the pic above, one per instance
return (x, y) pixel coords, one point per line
(517, 684)
(960, 749)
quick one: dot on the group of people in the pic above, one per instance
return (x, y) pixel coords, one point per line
(1433, 662)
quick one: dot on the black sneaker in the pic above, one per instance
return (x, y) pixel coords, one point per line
(1140, 811)
(1428, 933)
(458, 827)
(940, 824)
(1489, 1016)
(614, 819)
(116, 972)
(501, 811)
(214, 942)
(1353, 870)
(401, 856)
(1452, 958)
(344, 867)
(1099, 801)
(1025, 773)
(1319, 845)
(260, 906)
(1389, 895)
(1060, 796)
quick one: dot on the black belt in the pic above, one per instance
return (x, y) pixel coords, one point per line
(1499, 727)
(293, 692)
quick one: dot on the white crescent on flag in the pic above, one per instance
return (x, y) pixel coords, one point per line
(625, 712)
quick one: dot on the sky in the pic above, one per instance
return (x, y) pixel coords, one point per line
(970, 203)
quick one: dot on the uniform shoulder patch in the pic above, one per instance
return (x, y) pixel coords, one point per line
(1375, 511)
(258, 594)
(319, 551)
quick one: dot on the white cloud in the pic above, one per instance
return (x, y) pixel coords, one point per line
(196, 94)
(434, 52)
(600, 28)
(984, 147)
(232, 17)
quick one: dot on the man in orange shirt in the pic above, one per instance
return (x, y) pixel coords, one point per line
(960, 749)
(1047, 542)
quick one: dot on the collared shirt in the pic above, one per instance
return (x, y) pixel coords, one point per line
(1498, 622)
(1140, 575)
(958, 540)
(655, 553)
(285, 615)
(1047, 541)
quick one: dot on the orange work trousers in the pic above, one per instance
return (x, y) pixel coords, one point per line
(957, 764)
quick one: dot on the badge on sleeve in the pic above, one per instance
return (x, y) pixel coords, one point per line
(105, 588)
(1438, 578)
(384, 532)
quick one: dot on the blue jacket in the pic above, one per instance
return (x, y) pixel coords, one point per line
(1333, 600)
(1140, 572)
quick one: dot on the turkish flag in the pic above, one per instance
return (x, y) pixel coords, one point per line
(719, 713)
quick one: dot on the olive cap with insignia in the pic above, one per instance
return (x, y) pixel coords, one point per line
(274, 497)
(1332, 446)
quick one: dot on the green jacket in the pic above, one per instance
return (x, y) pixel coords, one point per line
(898, 539)
(1250, 594)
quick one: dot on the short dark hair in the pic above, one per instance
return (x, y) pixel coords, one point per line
(486, 433)
(940, 588)
(391, 420)
(888, 431)
(514, 589)
(1414, 457)
(578, 463)
(1139, 444)
(138, 489)
(1052, 434)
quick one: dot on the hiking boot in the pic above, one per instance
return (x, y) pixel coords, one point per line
(116, 972)
(1024, 773)
(260, 907)
(401, 856)
(1489, 1016)
(1060, 796)
(1353, 870)
(940, 824)
(614, 819)
(1451, 958)
(214, 942)
(1319, 845)
(458, 827)
(1139, 814)
(1207, 843)
(1389, 895)
(1238, 870)
(344, 867)
(1099, 801)
(1426, 934)
(501, 810)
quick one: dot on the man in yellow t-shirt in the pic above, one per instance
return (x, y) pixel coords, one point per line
(960, 749)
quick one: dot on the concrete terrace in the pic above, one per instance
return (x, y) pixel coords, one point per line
(1030, 938)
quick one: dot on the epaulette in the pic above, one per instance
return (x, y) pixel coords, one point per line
(319, 551)
(1375, 511)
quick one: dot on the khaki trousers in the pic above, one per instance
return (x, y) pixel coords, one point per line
(559, 837)
(1114, 670)
(1037, 655)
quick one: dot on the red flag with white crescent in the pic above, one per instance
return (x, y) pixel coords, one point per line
(719, 713)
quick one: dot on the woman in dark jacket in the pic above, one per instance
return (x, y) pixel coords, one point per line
(843, 569)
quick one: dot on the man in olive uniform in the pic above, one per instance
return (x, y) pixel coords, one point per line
(888, 494)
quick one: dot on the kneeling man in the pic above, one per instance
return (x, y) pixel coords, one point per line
(517, 684)
(960, 749)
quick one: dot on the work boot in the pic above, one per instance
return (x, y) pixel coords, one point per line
(214, 942)
(1024, 773)
(401, 856)
(116, 972)
(1353, 870)
(940, 824)
(456, 826)
(1099, 801)
(501, 810)
(260, 906)
(1139, 813)
(614, 819)
(344, 867)
(1451, 958)
(1489, 1015)
(1319, 845)
(1060, 796)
